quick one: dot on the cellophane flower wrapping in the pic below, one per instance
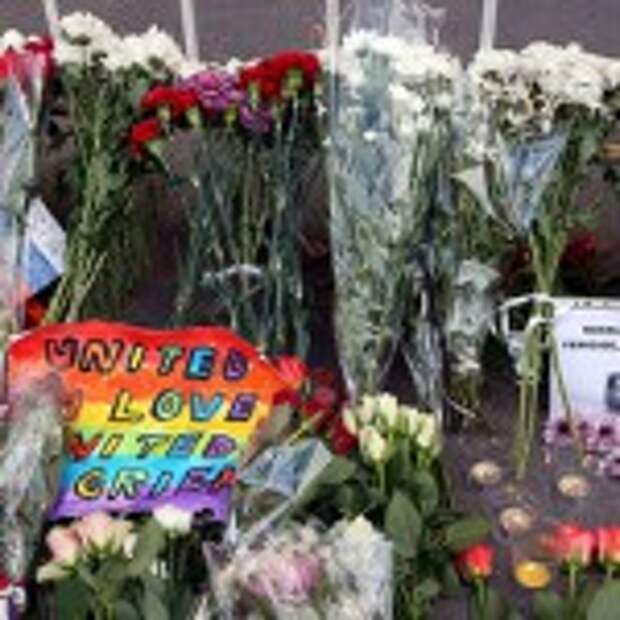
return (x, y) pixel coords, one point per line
(546, 111)
(300, 571)
(30, 456)
(21, 82)
(390, 134)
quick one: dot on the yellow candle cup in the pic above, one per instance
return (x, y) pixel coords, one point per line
(532, 575)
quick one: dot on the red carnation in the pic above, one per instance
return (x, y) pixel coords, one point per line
(144, 132)
(269, 76)
(476, 562)
(176, 100)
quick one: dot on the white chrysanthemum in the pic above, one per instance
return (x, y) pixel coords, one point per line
(67, 54)
(88, 30)
(12, 39)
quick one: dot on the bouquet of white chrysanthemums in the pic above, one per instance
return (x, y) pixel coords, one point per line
(390, 103)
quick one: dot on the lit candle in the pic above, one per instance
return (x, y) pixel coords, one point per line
(515, 521)
(532, 575)
(53, 17)
(486, 473)
(190, 33)
(573, 486)
(488, 27)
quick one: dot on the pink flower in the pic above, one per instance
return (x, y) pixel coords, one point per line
(570, 544)
(608, 545)
(285, 577)
(100, 531)
(64, 545)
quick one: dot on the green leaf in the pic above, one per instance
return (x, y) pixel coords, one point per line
(451, 584)
(338, 471)
(403, 525)
(153, 608)
(72, 599)
(426, 492)
(125, 611)
(548, 605)
(606, 603)
(466, 532)
(427, 590)
(151, 542)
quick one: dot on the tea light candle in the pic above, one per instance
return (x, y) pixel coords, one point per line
(574, 486)
(486, 473)
(532, 575)
(516, 521)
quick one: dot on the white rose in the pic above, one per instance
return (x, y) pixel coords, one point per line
(387, 406)
(366, 410)
(349, 421)
(427, 433)
(409, 420)
(174, 520)
(372, 444)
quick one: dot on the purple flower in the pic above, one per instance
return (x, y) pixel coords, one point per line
(217, 91)
(256, 120)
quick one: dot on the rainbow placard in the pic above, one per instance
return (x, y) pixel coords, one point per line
(156, 417)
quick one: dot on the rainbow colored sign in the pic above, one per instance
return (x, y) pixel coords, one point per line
(157, 416)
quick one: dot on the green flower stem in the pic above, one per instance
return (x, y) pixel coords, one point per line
(380, 465)
(610, 571)
(573, 574)
(480, 596)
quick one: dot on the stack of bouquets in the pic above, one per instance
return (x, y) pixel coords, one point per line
(541, 116)
(102, 78)
(389, 108)
(25, 63)
(300, 572)
(253, 130)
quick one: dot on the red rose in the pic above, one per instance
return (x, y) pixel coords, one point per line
(144, 132)
(570, 544)
(608, 545)
(292, 369)
(476, 562)
(580, 249)
(176, 100)
(340, 440)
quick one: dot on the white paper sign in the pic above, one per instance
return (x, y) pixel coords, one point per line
(587, 334)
